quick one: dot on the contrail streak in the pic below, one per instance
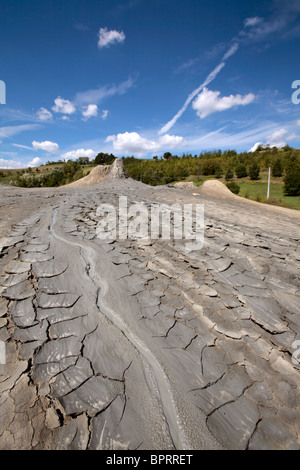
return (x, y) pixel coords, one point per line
(192, 95)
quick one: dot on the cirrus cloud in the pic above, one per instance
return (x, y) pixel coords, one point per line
(208, 102)
(252, 21)
(97, 95)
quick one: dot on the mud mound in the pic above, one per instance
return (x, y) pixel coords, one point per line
(117, 170)
(100, 173)
(216, 189)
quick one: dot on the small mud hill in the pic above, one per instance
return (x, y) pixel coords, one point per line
(215, 188)
(100, 173)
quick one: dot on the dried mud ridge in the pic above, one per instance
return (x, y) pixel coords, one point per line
(144, 345)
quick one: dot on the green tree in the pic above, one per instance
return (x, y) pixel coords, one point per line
(254, 171)
(292, 180)
(277, 168)
(83, 160)
(241, 171)
(229, 174)
(218, 171)
(209, 167)
(70, 168)
(167, 155)
(104, 159)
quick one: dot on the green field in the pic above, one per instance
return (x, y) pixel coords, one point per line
(257, 190)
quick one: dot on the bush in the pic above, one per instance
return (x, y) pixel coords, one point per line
(234, 188)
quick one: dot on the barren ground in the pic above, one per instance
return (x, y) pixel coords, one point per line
(144, 345)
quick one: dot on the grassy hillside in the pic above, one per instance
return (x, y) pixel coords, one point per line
(51, 175)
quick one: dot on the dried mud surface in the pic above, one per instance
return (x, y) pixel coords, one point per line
(147, 345)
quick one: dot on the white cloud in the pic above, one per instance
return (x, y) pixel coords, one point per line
(44, 115)
(277, 138)
(48, 146)
(106, 38)
(90, 111)
(191, 96)
(298, 122)
(208, 102)
(255, 146)
(79, 153)
(63, 106)
(134, 143)
(104, 114)
(10, 164)
(170, 141)
(255, 28)
(35, 162)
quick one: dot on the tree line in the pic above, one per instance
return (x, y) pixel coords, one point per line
(227, 164)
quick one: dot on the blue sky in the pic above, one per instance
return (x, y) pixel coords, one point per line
(142, 77)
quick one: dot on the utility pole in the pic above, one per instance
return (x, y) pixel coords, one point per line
(269, 178)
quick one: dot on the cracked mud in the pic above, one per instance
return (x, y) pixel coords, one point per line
(144, 345)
